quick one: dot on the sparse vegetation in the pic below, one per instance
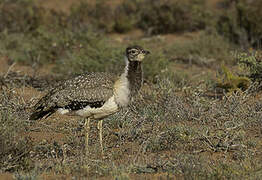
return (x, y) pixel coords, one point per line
(180, 126)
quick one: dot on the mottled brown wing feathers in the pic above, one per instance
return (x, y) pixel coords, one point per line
(92, 87)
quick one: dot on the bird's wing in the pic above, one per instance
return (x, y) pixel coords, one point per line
(89, 89)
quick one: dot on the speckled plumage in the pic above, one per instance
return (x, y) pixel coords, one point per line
(91, 89)
(95, 95)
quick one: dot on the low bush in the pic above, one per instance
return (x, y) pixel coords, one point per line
(231, 82)
(251, 62)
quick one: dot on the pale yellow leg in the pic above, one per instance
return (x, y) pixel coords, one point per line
(100, 128)
(87, 128)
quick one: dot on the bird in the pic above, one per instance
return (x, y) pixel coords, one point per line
(95, 95)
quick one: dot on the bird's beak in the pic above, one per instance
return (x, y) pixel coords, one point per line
(146, 52)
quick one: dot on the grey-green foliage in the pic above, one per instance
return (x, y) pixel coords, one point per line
(170, 138)
(251, 61)
(30, 176)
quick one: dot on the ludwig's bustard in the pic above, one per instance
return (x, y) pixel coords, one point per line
(95, 95)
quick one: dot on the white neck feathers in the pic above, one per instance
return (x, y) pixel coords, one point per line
(126, 67)
(121, 88)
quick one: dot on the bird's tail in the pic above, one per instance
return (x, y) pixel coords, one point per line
(39, 114)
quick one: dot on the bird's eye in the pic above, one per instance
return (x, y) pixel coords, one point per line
(133, 52)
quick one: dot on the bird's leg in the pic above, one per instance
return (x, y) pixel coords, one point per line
(87, 128)
(100, 128)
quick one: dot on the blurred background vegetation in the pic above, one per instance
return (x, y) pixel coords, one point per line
(33, 34)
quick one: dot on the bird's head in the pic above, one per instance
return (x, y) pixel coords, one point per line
(136, 53)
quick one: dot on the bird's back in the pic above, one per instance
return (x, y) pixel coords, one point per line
(90, 89)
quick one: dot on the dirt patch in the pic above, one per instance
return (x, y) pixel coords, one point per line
(50, 137)
(4, 65)
(55, 177)
(52, 129)
(171, 38)
(27, 93)
(6, 176)
(155, 176)
(123, 38)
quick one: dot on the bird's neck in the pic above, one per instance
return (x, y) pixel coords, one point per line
(134, 75)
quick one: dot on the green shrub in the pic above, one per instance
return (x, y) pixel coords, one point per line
(252, 62)
(231, 82)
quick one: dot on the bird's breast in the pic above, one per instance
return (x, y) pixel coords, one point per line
(122, 91)
(110, 107)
